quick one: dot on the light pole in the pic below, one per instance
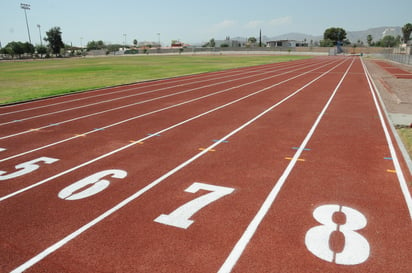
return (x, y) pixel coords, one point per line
(41, 43)
(124, 41)
(158, 34)
(26, 7)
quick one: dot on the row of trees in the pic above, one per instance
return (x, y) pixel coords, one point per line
(333, 36)
(54, 46)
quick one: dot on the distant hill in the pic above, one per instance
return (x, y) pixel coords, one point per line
(353, 36)
(377, 33)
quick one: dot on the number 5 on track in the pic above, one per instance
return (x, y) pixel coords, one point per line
(27, 167)
(180, 217)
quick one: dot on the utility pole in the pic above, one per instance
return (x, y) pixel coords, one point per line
(26, 7)
(260, 38)
(41, 43)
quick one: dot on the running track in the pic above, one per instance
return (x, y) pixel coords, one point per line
(287, 167)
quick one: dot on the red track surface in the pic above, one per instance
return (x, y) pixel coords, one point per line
(292, 168)
(395, 71)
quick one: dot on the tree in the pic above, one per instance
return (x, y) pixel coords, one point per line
(135, 43)
(369, 39)
(41, 49)
(326, 43)
(18, 48)
(54, 38)
(212, 42)
(28, 48)
(334, 34)
(406, 31)
(93, 45)
(388, 41)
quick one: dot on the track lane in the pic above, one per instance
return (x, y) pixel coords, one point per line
(51, 121)
(74, 97)
(127, 92)
(75, 154)
(344, 178)
(194, 132)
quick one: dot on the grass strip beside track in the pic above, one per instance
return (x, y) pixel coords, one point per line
(25, 80)
(406, 136)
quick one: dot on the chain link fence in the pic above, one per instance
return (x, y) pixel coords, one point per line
(401, 56)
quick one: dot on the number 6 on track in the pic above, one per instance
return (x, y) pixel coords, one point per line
(180, 217)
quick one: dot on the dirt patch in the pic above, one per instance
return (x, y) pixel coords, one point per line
(396, 93)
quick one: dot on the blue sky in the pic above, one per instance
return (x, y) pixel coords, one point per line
(192, 21)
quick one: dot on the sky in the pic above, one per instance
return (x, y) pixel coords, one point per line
(192, 21)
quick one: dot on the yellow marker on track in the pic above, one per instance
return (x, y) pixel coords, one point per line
(210, 150)
(299, 159)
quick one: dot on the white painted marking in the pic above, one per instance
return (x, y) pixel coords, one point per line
(136, 195)
(356, 248)
(401, 178)
(2, 149)
(26, 167)
(134, 95)
(137, 86)
(240, 246)
(174, 126)
(181, 216)
(149, 113)
(94, 182)
(162, 97)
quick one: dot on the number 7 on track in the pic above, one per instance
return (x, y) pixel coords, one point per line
(181, 216)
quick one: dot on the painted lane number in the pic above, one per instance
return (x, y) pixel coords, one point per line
(356, 248)
(90, 185)
(181, 216)
(27, 167)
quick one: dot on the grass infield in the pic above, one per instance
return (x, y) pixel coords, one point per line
(25, 80)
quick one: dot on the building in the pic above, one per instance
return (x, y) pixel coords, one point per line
(286, 43)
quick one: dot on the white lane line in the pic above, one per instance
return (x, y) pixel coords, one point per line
(144, 115)
(190, 79)
(150, 100)
(240, 246)
(157, 133)
(132, 87)
(100, 102)
(143, 93)
(126, 201)
(401, 178)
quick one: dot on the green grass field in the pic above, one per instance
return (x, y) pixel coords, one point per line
(25, 80)
(406, 136)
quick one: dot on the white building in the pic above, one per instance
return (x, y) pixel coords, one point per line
(286, 43)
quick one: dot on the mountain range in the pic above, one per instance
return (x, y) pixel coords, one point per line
(353, 36)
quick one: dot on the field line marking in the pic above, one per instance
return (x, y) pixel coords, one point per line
(148, 137)
(148, 100)
(140, 116)
(126, 201)
(240, 246)
(401, 178)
